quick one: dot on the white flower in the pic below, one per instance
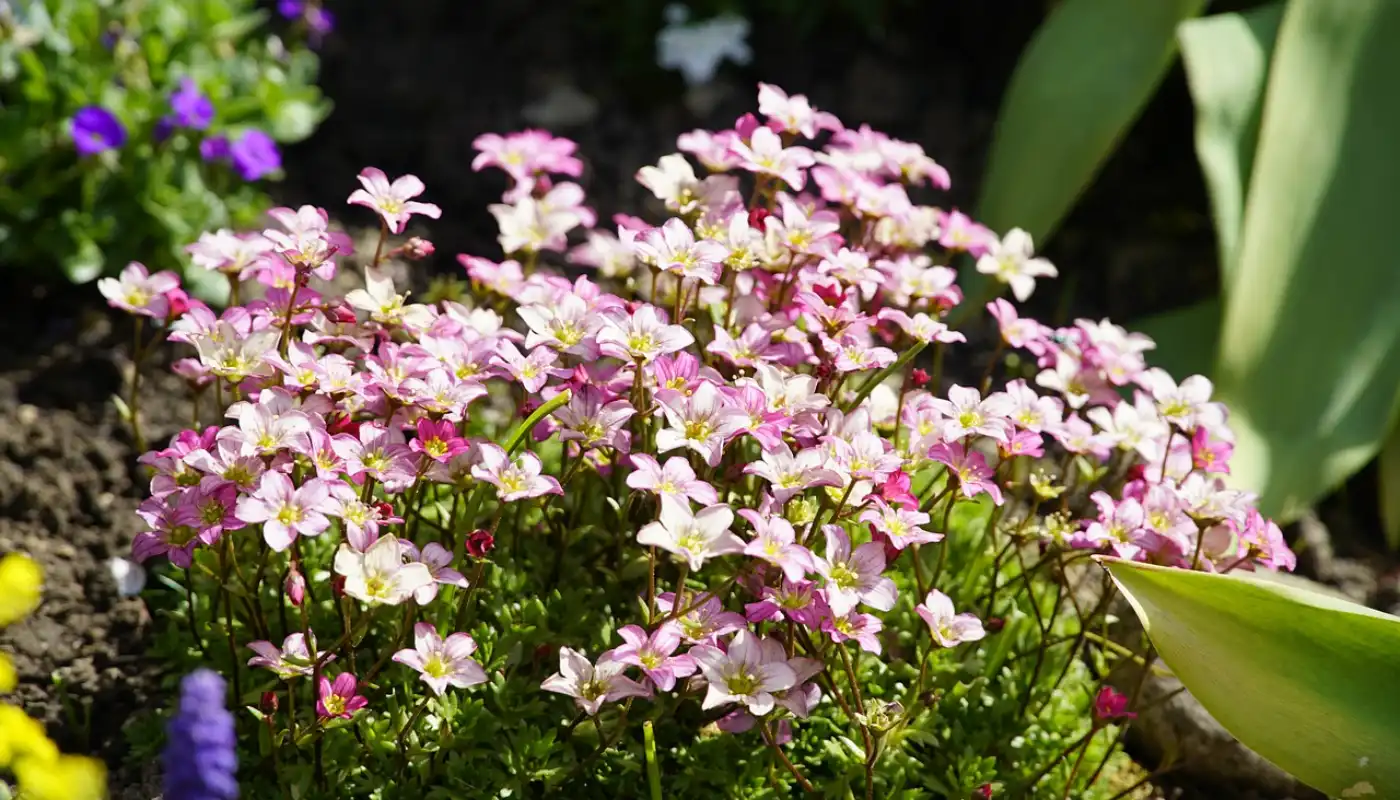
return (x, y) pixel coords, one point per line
(693, 537)
(1011, 263)
(748, 674)
(379, 574)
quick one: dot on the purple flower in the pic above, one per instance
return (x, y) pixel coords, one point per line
(290, 9)
(200, 760)
(255, 155)
(192, 109)
(95, 129)
(215, 148)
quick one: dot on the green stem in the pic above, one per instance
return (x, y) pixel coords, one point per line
(876, 379)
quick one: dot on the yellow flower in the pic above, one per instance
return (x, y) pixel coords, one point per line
(22, 738)
(20, 580)
(65, 778)
(8, 678)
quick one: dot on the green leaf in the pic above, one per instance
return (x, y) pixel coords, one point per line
(1227, 62)
(1304, 679)
(1309, 360)
(1390, 488)
(1082, 81)
(294, 120)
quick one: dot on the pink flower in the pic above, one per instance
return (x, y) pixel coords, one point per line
(392, 201)
(854, 577)
(641, 335)
(1010, 262)
(921, 327)
(864, 629)
(1266, 543)
(791, 475)
(795, 600)
(673, 248)
(900, 526)
(702, 421)
(514, 480)
(1120, 525)
(970, 469)
(295, 658)
(175, 531)
(949, 629)
(437, 440)
(442, 663)
(591, 422)
(228, 252)
(705, 618)
(753, 345)
(592, 685)
(286, 511)
(339, 699)
(693, 537)
(746, 673)
(527, 153)
(567, 325)
(438, 560)
(307, 242)
(864, 457)
(1016, 330)
(1210, 455)
(1111, 704)
(960, 232)
(794, 112)
(136, 291)
(764, 154)
(676, 479)
(775, 541)
(896, 491)
(653, 654)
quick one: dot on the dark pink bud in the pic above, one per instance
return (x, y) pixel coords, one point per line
(918, 378)
(984, 791)
(830, 293)
(338, 585)
(179, 302)
(341, 314)
(417, 249)
(342, 423)
(479, 543)
(268, 704)
(994, 624)
(757, 216)
(296, 587)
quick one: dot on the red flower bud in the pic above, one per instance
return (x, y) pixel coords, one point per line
(385, 510)
(342, 423)
(341, 314)
(985, 790)
(338, 585)
(994, 624)
(918, 378)
(757, 216)
(295, 587)
(179, 302)
(268, 703)
(479, 543)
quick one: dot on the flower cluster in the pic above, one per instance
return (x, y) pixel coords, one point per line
(739, 379)
(39, 769)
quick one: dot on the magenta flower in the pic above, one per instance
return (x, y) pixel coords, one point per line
(592, 685)
(1120, 525)
(138, 292)
(514, 480)
(702, 421)
(948, 628)
(676, 480)
(294, 659)
(896, 491)
(176, 530)
(798, 601)
(746, 673)
(853, 578)
(791, 475)
(1111, 704)
(1210, 455)
(863, 629)
(339, 699)
(775, 541)
(899, 525)
(693, 537)
(673, 248)
(654, 654)
(437, 440)
(764, 154)
(970, 469)
(392, 201)
(286, 511)
(442, 663)
(640, 336)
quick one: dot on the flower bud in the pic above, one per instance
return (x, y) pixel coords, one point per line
(985, 790)
(386, 510)
(342, 423)
(757, 216)
(918, 378)
(338, 585)
(994, 624)
(179, 302)
(479, 543)
(296, 587)
(268, 704)
(341, 314)
(417, 249)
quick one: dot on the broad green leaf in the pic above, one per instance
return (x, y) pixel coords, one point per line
(1308, 361)
(1390, 488)
(1081, 82)
(1304, 679)
(1227, 62)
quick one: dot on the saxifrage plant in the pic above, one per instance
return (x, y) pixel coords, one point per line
(701, 521)
(129, 128)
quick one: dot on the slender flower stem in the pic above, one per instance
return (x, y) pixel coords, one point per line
(787, 763)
